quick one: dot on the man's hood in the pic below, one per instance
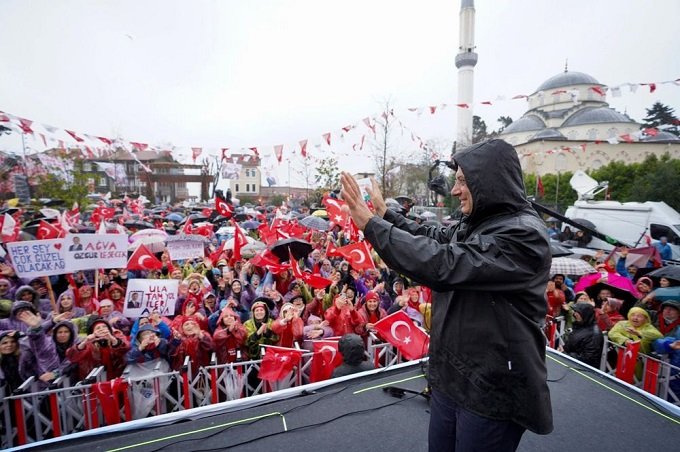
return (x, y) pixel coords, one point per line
(494, 176)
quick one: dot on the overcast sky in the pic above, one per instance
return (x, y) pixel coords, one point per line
(236, 73)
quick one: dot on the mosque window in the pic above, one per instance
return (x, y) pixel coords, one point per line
(612, 132)
(597, 164)
(572, 135)
(592, 134)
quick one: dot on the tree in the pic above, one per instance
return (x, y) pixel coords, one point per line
(327, 173)
(479, 131)
(662, 115)
(505, 121)
(51, 186)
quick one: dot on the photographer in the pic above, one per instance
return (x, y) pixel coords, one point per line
(102, 347)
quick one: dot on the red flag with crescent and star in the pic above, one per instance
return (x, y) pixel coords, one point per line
(358, 255)
(625, 364)
(326, 358)
(399, 330)
(223, 207)
(278, 362)
(314, 280)
(239, 241)
(48, 230)
(143, 259)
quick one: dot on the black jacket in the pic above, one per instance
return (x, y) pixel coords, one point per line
(585, 341)
(488, 275)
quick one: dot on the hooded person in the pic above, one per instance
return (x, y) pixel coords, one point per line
(148, 345)
(259, 327)
(229, 337)
(107, 311)
(86, 299)
(65, 336)
(289, 326)
(66, 308)
(103, 346)
(669, 318)
(44, 303)
(609, 314)
(670, 343)
(13, 323)
(370, 311)
(190, 309)
(154, 318)
(192, 341)
(6, 297)
(638, 327)
(488, 275)
(238, 300)
(34, 355)
(315, 329)
(585, 341)
(352, 349)
(116, 293)
(342, 317)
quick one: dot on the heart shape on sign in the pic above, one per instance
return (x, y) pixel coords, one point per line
(57, 246)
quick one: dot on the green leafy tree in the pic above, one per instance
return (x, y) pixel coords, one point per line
(479, 130)
(504, 121)
(51, 186)
(327, 173)
(662, 115)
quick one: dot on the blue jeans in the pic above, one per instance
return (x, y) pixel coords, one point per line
(453, 428)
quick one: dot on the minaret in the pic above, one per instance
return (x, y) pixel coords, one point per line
(465, 62)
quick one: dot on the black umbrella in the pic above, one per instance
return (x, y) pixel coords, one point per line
(300, 248)
(668, 272)
(195, 218)
(241, 216)
(628, 298)
(138, 224)
(557, 250)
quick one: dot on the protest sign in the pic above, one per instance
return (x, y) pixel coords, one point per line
(188, 248)
(34, 258)
(146, 295)
(90, 251)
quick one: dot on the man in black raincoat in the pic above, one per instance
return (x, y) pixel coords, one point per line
(487, 275)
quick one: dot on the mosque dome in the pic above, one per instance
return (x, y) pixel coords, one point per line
(568, 78)
(595, 115)
(525, 124)
(662, 136)
(548, 134)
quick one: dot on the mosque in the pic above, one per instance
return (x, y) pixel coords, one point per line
(569, 125)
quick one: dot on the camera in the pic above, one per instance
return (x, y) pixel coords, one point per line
(102, 342)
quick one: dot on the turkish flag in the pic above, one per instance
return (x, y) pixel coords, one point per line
(314, 280)
(239, 241)
(267, 234)
(598, 90)
(292, 230)
(105, 212)
(303, 148)
(625, 365)
(10, 229)
(332, 250)
(223, 207)
(336, 214)
(75, 137)
(326, 358)
(48, 231)
(399, 330)
(358, 255)
(143, 259)
(267, 259)
(650, 381)
(278, 152)
(278, 362)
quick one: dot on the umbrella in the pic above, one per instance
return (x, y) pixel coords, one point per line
(300, 248)
(666, 293)
(570, 266)
(155, 243)
(177, 218)
(612, 279)
(148, 233)
(557, 250)
(138, 224)
(628, 298)
(669, 272)
(250, 224)
(320, 213)
(241, 216)
(195, 218)
(313, 222)
(251, 249)
(229, 244)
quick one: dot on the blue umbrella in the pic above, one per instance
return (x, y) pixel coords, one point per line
(667, 293)
(250, 224)
(174, 217)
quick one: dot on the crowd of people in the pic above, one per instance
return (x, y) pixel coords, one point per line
(231, 307)
(228, 307)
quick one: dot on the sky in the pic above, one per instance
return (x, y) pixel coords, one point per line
(240, 74)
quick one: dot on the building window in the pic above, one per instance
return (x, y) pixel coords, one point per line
(573, 134)
(613, 132)
(592, 134)
(236, 188)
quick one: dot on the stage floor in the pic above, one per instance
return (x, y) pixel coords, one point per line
(591, 412)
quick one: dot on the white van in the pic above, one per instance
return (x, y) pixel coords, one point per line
(627, 222)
